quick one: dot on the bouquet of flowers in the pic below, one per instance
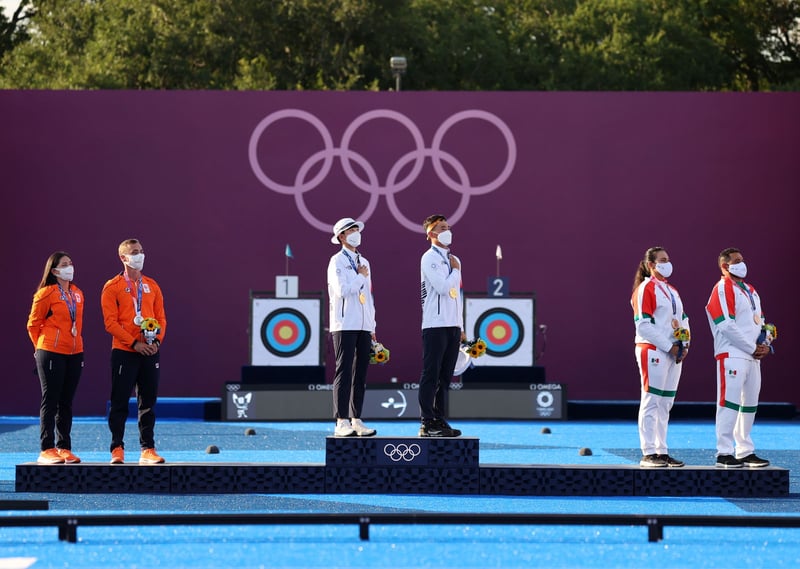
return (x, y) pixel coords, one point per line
(378, 354)
(768, 333)
(476, 348)
(682, 336)
(150, 329)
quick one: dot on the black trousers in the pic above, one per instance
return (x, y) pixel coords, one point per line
(351, 348)
(439, 355)
(59, 375)
(129, 371)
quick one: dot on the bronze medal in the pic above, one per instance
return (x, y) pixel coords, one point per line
(757, 319)
(675, 324)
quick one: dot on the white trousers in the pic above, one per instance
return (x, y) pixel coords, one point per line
(738, 387)
(660, 375)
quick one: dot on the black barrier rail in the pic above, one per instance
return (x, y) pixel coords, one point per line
(68, 525)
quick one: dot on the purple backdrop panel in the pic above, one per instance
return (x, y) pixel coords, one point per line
(573, 186)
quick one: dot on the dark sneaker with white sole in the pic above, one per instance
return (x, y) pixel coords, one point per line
(437, 428)
(752, 461)
(653, 461)
(728, 461)
(671, 462)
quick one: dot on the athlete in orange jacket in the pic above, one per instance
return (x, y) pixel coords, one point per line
(54, 326)
(130, 300)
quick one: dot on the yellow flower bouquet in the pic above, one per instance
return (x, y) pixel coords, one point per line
(768, 333)
(682, 336)
(150, 329)
(378, 354)
(476, 348)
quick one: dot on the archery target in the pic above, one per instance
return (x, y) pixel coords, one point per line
(285, 332)
(506, 325)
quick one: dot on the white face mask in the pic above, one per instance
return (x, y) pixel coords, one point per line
(664, 269)
(446, 238)
(353, 239)
(135, 262)
(66, 273)
(738, 270)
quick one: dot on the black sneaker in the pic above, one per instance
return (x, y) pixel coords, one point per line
(752, 461)
(671, 462)
(728, 461)
(653, 461)
(437, 428)
(446, 425)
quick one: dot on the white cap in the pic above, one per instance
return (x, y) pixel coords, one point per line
(343, 225)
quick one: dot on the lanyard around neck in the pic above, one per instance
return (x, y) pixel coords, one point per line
(137, 302)
(671, 297)
(749, 295)
(446, 261)
(69, 300)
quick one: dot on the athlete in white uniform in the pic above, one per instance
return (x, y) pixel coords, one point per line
(442, 326)
(352, 326)
(735, 316)
(657, 314)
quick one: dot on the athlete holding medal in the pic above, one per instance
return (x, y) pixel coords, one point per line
(442, 326)
(127, 300)
(736, 320)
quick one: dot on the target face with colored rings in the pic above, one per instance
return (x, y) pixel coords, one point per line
(501, 329)
(285, 332)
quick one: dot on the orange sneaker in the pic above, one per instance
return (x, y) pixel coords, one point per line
(50, 456)
(150, 456)
(118, 455)
(68, 457)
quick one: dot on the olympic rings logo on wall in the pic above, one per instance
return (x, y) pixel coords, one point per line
(394, 183)
(285, 332)
(501, 329)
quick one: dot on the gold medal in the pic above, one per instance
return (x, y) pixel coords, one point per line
(675, 323)
(362, 298)
(453, 293)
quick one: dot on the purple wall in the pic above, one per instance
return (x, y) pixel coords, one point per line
(597, 178)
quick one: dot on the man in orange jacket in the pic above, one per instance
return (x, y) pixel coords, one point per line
(133, 312)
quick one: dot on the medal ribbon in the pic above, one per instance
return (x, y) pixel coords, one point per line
(671, 297)
(352, 263)
(137, 302)
(749, 295)
(69, 300)
(446, 261)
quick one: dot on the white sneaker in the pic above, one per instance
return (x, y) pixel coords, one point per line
(361, 429)
(343, 428)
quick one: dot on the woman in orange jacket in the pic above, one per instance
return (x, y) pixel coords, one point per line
(54, 326)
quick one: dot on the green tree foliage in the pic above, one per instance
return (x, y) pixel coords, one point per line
(743, 45)
(13, 29)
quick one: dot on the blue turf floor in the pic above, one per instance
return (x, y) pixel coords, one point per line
(334, 546)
